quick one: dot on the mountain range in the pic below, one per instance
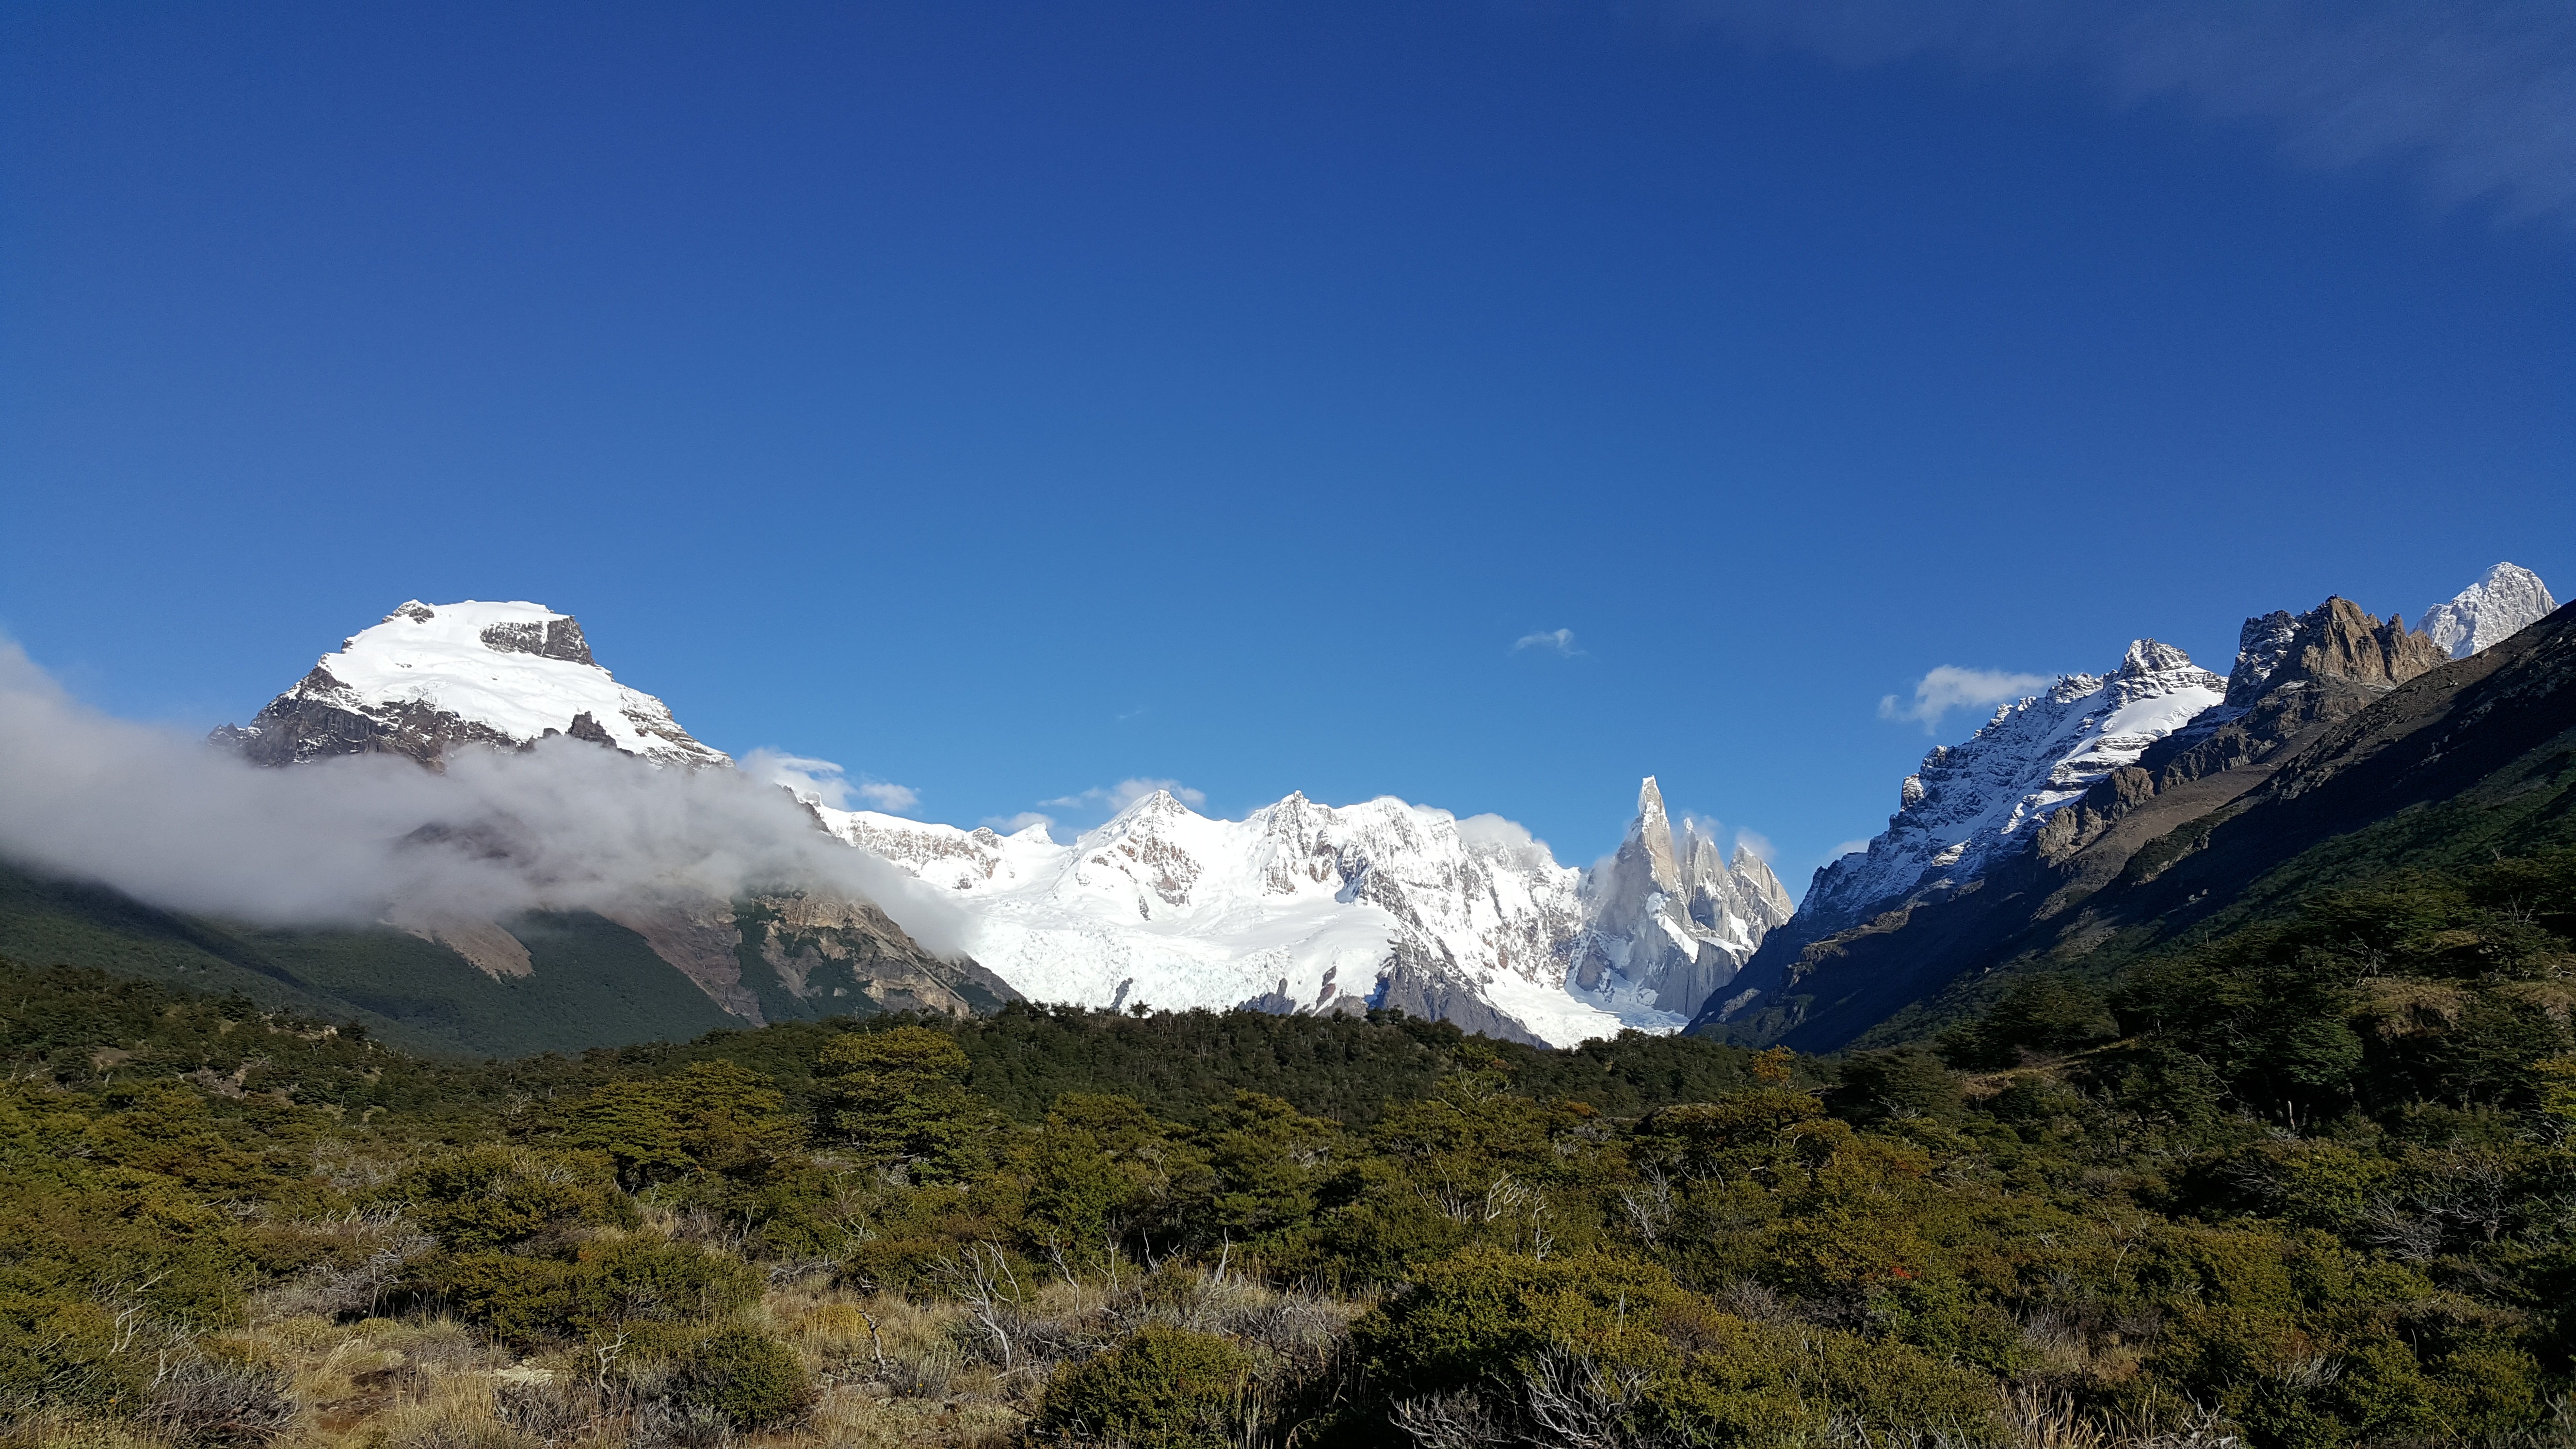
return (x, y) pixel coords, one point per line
(2054, 837)
(1298, 907)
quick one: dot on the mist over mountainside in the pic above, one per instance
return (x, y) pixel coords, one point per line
(472, 731)
(2063, 874)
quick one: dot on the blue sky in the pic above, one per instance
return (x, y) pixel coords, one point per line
(1006, 401)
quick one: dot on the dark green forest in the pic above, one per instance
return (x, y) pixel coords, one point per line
(2307, 1182)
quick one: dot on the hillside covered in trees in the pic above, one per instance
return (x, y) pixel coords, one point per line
(2309, 1182)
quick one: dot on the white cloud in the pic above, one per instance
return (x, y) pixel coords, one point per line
(1552, 641)
(561, 826)
(1848, 847)
(821, 782)
(887, 795)
(1125, 793)
(816, 782)
(1758, 843)
(1495, 835)
(2477, 100)
(1949, 687)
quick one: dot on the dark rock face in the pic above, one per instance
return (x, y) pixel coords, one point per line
(2296, 679)
(1435, 996)
(554, 639)
(2334, 643)
(584, 727)
(302, 724)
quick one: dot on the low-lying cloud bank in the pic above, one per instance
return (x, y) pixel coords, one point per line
(564, 826)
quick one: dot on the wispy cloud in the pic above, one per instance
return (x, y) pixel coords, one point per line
(2477, 99)
(822, 782)
(1758, 843)
(887, 795)
(1125, 793)
(1848, 847)
(1551, 641)
(1014, 824)
(1949, 687)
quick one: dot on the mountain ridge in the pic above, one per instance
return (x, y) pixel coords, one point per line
(2075, 887)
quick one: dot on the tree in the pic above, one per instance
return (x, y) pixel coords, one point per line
(899, 1097)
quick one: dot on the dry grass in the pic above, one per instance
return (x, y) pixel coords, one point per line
(888, 1371)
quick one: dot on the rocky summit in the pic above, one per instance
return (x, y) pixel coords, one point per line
(430, 678)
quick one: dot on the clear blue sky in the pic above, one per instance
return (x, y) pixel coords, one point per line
(1007, 400)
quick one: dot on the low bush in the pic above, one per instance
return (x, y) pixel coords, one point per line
(1163, 1388)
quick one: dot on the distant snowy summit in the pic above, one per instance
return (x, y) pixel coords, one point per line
(1314, 908)
(431, 677)
(1299, 907)
(2495, 608)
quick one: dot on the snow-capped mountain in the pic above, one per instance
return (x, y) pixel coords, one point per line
(429, 678)
(2509, 599)
(1297, 907)
(1669, 920)
(1972, 802)
(1308, 907)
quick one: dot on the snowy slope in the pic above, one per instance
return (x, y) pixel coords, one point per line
(1308, 907)
(2496, 607)
(432, 676)
(1299, 906)
(1973, 801)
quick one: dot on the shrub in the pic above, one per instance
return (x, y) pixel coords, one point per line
(490, 1197)
(1486, 1317)
(743, 1375)
(708, 1117)
(1163, 1388)
(527, 1300)
(523, 1300)
(649, 1279)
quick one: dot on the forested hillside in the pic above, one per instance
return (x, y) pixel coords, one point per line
(2307, 1183)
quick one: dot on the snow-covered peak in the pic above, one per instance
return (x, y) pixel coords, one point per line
(1667, 920)
(1311, 907)
(2147, 656)
(1973, 801)
(2507, 600)
(435, 675)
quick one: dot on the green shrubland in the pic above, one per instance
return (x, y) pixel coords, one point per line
(2309, 1183)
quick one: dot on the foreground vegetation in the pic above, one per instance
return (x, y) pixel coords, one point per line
(2311, 1183)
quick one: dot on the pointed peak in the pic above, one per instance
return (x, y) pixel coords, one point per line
(1158, 804)
(2505, 600)
(1650, 799)
(2148, 656)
